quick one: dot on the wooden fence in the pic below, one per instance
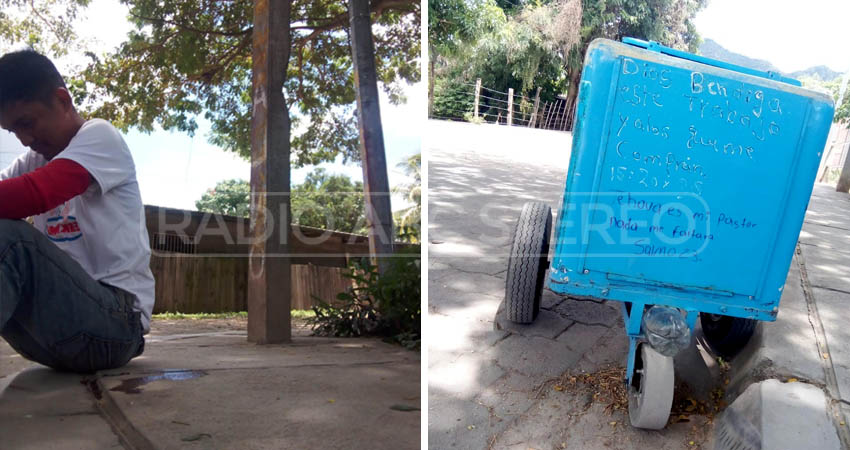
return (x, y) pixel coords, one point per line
(214, 284)
(201, 266)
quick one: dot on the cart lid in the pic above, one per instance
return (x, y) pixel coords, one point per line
(655, 46)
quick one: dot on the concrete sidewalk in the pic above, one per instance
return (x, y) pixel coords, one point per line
(809, 344)
(216, 390)
(490, 382)
(496, 385)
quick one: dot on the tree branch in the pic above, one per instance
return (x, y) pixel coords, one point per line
(43, 19)
(183, 26)
(208, 73)
(341, 19)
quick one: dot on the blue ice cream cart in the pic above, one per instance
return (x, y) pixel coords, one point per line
(686, 191)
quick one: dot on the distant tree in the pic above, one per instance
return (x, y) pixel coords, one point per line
(229, 197)
(323, 200)
(669, 22)
(842, 111)
(45, 25)
(832, 88)
(542, 44)
(331, 202)
(409, 220)
(453, 25)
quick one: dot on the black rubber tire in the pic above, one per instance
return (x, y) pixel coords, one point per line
(726, 335)
(528, 263)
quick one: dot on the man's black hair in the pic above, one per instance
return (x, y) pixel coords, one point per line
(27, 75)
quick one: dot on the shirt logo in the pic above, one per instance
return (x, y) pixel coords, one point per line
(63, 229)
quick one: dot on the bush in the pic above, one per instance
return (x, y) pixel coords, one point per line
(386, 305)
(452, 98)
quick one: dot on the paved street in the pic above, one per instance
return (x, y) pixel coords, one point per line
(505, 388)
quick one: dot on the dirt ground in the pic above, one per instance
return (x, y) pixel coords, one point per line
(161, 327)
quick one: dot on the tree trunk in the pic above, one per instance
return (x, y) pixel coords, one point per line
(269, 275)
(431, 59)
(376, 185)
(572, 95)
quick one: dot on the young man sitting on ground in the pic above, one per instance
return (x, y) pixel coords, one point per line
(76, 290)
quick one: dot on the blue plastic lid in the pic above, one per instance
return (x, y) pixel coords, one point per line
(656, 47)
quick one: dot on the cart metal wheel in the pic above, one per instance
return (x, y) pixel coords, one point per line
(726, 335)
(528, 263)
(651, 390)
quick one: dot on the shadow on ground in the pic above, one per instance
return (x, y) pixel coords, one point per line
(490, 383)
(213, 389)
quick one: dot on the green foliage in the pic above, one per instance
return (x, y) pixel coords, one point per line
(296, 314)
(200, 316)
(521, 51)
(452, 23)
(385, 305)
(542, 44)
(408, 221)
(669, 22)
(230, 197)
(331, 202)
(452, 97)
(832, 88)
(189, 57)
(842, 111)
(45, 25)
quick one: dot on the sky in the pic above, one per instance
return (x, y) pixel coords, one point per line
(174, 170)
(791, 34)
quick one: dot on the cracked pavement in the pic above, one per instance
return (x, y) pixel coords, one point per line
(489, 379)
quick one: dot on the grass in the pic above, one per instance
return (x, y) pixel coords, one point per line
(296, 314)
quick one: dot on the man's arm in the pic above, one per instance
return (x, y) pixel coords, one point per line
(42, 189)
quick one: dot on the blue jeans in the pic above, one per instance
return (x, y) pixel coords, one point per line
(54, 313)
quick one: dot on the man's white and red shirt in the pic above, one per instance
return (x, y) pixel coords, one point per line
(87, 201)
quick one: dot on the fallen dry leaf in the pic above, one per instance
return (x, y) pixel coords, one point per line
(681, 418)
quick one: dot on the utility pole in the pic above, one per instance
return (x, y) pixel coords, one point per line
(269, 274)
(378, 210)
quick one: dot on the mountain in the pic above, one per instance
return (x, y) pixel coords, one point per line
(714, 50)
(822, 73)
